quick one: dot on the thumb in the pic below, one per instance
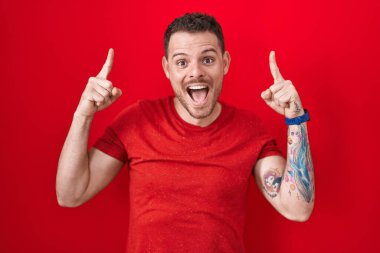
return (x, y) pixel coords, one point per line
(266, 95)
(116, 93)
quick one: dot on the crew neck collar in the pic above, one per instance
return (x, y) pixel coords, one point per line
(186, 125)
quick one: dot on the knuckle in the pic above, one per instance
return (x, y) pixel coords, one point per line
(103, 93)
(108, 84)
(89, 88)
(101, 99)
(91, 79)
(85, 97)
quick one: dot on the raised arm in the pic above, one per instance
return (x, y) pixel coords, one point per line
(288, 185)
(82, 173)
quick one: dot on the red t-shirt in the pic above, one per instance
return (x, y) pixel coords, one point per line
(188, 184)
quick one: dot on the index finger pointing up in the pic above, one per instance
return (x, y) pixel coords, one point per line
(274, 68)
(106, 69)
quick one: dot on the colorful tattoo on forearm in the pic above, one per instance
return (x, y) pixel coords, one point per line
(272, 182)
(300, 169)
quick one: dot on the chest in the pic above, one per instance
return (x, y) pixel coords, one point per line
(193, 168)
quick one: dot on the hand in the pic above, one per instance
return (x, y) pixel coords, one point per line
(99, 92)
(282, 96)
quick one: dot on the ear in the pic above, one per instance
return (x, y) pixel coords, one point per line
(165, 66)
(226, 61)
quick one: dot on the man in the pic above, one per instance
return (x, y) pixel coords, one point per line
(189, 156)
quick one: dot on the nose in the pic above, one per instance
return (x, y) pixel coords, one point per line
(195, 70)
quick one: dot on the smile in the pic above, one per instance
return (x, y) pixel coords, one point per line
(198, 93)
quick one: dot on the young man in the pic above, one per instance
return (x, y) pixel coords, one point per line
(189, 156)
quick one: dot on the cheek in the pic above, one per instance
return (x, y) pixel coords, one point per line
(179, 75)
(217, 81)
(220, 76)
(176, 78)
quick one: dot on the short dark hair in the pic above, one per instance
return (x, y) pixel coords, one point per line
(194, 22)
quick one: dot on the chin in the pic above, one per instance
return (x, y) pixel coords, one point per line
(201, 113)
(198, 112)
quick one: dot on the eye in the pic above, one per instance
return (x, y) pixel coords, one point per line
(208, 60)
(181, 63)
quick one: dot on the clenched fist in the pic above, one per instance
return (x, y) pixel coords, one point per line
(282, 96)
(99, 92)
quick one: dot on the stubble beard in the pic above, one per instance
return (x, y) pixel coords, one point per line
(204, 113)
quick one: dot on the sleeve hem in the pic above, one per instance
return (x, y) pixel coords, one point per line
(106, 149)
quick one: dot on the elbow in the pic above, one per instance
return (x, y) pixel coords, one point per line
(67, 198)
(299, 216)
(66, 202)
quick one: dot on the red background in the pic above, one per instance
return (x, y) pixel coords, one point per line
(329, 49)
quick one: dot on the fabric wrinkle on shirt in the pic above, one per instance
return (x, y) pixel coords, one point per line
(188, 184)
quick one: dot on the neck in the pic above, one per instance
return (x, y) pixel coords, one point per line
(202, 122)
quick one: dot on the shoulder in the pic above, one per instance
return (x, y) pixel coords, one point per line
(140, 112)
(153, 107)
(247, 124)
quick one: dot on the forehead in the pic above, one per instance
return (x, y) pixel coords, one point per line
(189, 42)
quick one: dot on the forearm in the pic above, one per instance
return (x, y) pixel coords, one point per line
(292, 181)
(297, 187)
(73, 176)
(73, 171)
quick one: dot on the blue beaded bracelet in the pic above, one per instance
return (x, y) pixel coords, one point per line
(298, 120)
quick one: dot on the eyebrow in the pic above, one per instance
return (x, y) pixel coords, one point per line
(204, 51)
(176, 54)
(209, 50)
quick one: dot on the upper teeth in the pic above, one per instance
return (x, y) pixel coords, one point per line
(197, 87)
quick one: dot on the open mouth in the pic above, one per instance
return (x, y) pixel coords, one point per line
(198, 93)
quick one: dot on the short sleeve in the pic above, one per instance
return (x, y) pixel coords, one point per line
(110, 144)
(270, 148)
